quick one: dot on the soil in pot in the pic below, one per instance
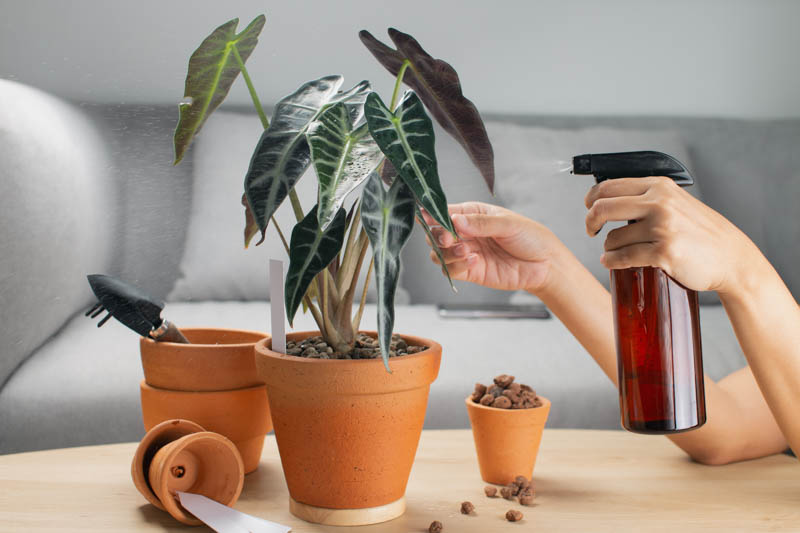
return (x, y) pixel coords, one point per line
(366, 347)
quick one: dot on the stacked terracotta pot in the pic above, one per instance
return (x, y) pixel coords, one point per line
(213, 382)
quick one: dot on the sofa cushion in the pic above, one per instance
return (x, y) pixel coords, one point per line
(56, 213)
(82, 387)
(215, 264)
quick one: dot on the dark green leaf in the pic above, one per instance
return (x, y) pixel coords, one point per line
(343, 158)
(438, 86)
(406, 138)
(310, 251)
(282, 154)
(213, 68)
(388, 218)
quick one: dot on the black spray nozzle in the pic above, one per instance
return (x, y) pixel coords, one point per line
(632, 165)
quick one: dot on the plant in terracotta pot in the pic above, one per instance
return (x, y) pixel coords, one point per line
(348, 406)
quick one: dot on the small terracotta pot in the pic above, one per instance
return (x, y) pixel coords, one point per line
(347, 430)
(178, 455)
(241, 415)
(217, 359)
(507, 440)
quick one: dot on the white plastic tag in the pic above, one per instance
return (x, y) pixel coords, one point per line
(277, 306)
(224, 519)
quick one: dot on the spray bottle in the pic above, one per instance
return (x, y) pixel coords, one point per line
(656, 320)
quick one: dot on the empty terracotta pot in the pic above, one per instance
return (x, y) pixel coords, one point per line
(241, 415)
(507, 440)
(178, 455)
(217, 359)
(347, 430)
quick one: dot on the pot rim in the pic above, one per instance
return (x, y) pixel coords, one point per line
(261, 349)
(471, 404)
(262, 335)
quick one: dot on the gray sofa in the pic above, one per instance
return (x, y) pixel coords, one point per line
(88, 189)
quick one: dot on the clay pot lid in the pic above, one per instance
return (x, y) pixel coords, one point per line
(204, 463)
(158, 436)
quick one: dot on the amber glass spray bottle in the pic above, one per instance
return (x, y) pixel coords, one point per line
(659, 357)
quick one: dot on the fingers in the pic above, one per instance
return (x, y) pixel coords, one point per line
(635, 255)
(456, 253)
(458, 263)
(498, 225)
(627, 235)
(444, 239)
(622, 187)
(462, 208)
(614, 209)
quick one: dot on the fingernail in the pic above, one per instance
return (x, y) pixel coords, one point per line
(472, 259)
(459, 250)
(442, 239)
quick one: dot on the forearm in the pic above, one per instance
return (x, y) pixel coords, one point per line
(766, 320)
(583, 305)
(738, 418)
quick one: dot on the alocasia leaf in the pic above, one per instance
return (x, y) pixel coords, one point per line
(213, 68)
(310, 251)
(342, 156)
(438, 86)
(406, 138)
(388, 218)
(282, 154)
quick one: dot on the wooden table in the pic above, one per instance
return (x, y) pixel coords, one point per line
(585, 481)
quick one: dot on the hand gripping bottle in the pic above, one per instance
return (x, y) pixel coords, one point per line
(659, 357)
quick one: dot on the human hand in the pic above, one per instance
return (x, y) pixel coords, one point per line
(496, 248)
(674, 231)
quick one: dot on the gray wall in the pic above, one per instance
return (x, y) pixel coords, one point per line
(726, 58)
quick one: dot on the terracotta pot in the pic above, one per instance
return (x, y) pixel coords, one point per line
(217, 359)
(178, 455)
(347, 430)
(241, 415)
(507, 440)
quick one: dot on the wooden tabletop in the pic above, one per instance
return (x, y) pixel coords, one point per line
(585, 481)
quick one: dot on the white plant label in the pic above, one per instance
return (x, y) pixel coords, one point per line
(277, 306)
(224, 519)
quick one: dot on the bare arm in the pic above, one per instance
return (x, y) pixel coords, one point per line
(740, 424)
(504, 250)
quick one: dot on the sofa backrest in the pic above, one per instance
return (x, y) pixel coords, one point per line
(747, 170)
(57, 217)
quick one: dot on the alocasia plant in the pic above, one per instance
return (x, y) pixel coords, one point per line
(352, 139)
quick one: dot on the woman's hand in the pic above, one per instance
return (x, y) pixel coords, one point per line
(674, 231)
(497, 248)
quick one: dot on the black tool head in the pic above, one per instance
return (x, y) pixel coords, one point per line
(128, 304)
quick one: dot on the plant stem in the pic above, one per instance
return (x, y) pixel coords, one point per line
(292, 195)
(264, 122)
(357, 319)
(298, 209)
(251, 88)
(399, 82)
